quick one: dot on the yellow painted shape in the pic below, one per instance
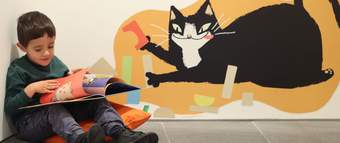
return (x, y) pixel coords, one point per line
(202, 100)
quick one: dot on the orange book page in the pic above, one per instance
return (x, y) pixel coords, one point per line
(71, 87)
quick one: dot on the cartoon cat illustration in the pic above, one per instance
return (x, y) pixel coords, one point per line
(275, 46)
(64, 92)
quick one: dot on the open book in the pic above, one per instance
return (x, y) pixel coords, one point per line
(83, 86)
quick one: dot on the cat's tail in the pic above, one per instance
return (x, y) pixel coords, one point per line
(319, 77)
(324, 75)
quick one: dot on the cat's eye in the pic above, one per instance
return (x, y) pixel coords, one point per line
(177, 28)
(204, 27)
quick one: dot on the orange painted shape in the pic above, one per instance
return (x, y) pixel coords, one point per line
(134, 27)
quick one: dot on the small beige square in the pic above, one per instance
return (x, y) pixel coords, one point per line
(203, 109)
(164, 112)
(247, 99)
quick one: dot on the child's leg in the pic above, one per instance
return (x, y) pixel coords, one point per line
(43, 123)
(106, 116)
(101, 111)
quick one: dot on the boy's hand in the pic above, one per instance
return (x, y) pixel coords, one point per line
(45, 86)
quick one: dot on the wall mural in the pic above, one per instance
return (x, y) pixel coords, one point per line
(213, 54)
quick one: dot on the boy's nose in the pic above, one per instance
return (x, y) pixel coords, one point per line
(46, 53)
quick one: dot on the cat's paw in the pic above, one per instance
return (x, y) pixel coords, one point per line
(149, 44)
(152, 79)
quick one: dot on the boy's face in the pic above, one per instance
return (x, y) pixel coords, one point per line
(41, 50)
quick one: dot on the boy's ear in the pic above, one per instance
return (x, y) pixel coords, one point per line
(22, 48)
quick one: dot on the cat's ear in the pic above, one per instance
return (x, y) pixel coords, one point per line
(175, 13)
(206, 9)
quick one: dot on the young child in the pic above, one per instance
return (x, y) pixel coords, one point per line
(32, 75)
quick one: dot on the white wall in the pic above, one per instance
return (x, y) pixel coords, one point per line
(83, 26)
(7, 38)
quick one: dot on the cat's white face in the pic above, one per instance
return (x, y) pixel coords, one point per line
(191, 38)
(192, 32)
(191, 41)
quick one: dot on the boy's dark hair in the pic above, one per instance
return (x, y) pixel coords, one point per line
(33, 25)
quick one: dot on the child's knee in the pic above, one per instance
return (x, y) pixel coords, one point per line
(56, 108)
(100, 102)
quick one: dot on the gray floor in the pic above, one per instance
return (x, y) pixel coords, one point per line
(241, 131)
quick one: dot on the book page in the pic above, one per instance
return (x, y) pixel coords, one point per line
(70, 88)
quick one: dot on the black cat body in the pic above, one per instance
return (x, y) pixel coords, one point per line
(275, 46)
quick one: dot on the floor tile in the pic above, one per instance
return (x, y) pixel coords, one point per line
(157, 127)
(298, 131)
(213, 132)
(240, 131)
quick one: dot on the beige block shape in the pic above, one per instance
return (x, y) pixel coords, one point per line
(229, 81)
(102, 67)
(164, 112)
(202, 100)
(210, 109)
(147, 62)
(247, 99)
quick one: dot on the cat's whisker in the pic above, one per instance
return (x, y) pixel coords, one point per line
(160, 28)
(159, 35)
(225, 33)
(221, 25)
(218, 20)
(162, 42)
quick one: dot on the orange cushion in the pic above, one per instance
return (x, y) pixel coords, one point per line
(131, 117)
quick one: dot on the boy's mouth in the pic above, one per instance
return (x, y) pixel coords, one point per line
(45, 59)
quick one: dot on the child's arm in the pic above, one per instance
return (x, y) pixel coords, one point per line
(19, 95)
(15, 95)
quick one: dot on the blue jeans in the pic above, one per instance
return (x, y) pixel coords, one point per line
(63, 119)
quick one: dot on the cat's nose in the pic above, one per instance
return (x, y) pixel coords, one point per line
(189, 36)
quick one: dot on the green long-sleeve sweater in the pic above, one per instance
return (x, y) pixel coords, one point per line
(21, 73)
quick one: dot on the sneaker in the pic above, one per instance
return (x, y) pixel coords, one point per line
(96, 134)
(128, 136)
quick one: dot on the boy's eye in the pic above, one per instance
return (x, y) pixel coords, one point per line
(37, 50)
(51, 47)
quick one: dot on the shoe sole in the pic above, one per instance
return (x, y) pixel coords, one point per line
(147, 138)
